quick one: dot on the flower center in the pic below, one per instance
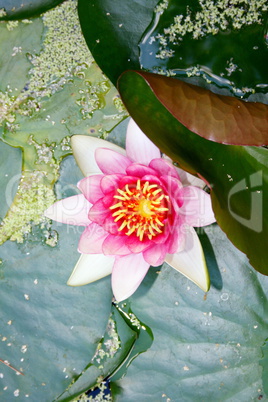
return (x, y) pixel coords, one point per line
(141, 209)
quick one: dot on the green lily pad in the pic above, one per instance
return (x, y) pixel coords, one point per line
(238, 176)
(16, 43)
(17, 10)
(125, 338)
(49, 331)
(182, 39)
(205, 348)
(113, 29)
(10, 167)
(206, 40)
(264, 364)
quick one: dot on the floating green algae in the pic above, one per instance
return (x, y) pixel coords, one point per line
(50, 89)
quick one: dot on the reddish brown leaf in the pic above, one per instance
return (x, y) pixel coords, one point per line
(218, 118)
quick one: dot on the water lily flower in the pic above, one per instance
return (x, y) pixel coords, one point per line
(136, 212)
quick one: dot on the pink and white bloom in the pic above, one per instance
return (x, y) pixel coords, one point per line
(136, 212)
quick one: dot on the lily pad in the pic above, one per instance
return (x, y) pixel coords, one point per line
(182, 39)
(125, 338)
(113, 29)
(49, 331)
(10, 166)
(205, 348)
(16, 10)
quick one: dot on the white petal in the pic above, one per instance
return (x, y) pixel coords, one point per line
(139, 148)
(188, 179)
(128, 272)
(71, 210)
(90, 268)
(84, 152)
(196, 209)
(191, 261)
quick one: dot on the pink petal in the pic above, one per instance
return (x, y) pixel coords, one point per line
(91, 239)
(196, 209)
(155, 255)
(162, 237)
(127, 274)
(173, 187)
(139, 148)
(164, 167)
(111, 162)
(128, 180)
(98, 212)
(152, 179)
(115, 245)
(90, 187)
(90, 268)
(135, 245)
(110, 225)
(139, 170)
(176, 241)
(72, 211)
(111, 182)
(108, 200)
(84, 147)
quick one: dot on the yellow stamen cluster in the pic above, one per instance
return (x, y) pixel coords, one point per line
(141, 209)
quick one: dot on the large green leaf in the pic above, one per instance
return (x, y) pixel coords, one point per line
(205, 348)
(49, 331)
(113, 29)
(182, 38)
(16, 10)
(237, 175)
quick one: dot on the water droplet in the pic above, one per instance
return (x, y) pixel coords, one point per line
(24, 349)
(225, 296)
